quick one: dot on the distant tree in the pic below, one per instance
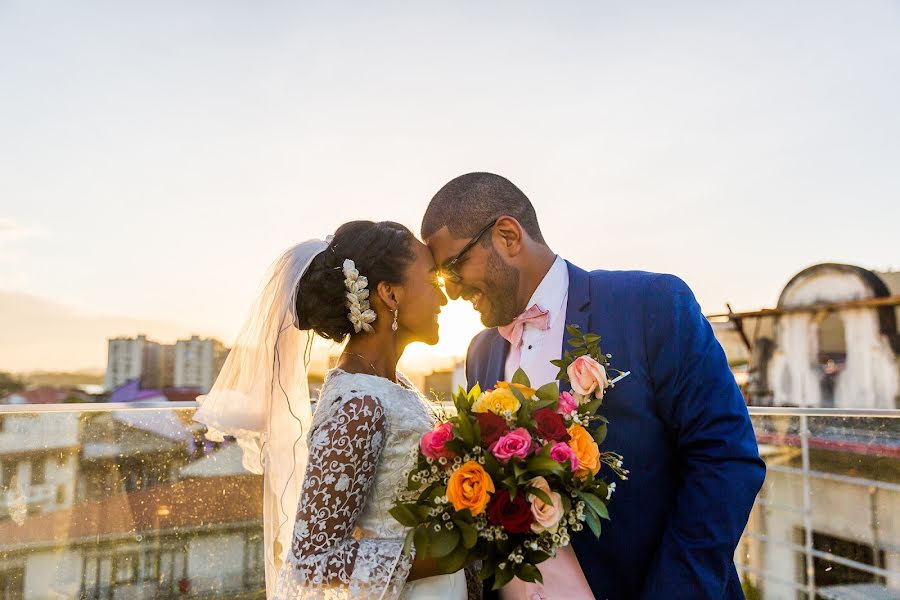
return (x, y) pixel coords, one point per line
(10, 384)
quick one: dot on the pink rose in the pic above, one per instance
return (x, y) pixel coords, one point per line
(561, 452)
(566, 403)
(587, 377)
(546, 516)
(517, 443)
(432, 443)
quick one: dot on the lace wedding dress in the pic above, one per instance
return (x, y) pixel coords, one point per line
(361, 446)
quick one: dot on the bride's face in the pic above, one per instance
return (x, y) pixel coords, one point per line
(422, 298)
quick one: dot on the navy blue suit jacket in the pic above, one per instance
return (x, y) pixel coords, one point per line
(682, 425)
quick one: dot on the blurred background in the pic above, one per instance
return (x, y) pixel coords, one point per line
(156, 157)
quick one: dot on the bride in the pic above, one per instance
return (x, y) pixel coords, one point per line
(330, 477)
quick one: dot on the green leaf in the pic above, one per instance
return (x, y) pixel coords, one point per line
(502, 577)
(596, 505)
(543, 465)
(464, 515)
(512, 485)
(536, 557)
(599, 433)
(533, 491)
(454, 561)
(492, 466)
(543, 404)
(406, 514)
(590, 408)
(463, 428)
(487, 570)
(518, 469)
(593, 522)
(574, 330)
(576, 343)
(444, 542)
(592, 338)
(422, 540)
(527, 572)
(468, 532)
(549, 392)
(519, 396)
(408, 542)
(521, 378)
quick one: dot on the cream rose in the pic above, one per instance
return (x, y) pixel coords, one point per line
(546, 516)
(587, 377)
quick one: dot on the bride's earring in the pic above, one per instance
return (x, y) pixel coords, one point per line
(395, 325)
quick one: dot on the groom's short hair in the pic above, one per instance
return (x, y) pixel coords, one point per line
(469, 202)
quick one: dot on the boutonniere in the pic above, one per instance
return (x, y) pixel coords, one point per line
(587, 368)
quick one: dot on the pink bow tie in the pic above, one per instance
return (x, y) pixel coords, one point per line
(534, 316)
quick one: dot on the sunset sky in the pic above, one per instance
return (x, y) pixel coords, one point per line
(156, 156)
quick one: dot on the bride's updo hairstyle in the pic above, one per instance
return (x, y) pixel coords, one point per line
(381, 251)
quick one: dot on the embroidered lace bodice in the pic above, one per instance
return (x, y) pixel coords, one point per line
(362, 443)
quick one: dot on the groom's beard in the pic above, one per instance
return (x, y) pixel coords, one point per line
(501, 283)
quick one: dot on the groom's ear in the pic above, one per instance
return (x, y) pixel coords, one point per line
(510, 235)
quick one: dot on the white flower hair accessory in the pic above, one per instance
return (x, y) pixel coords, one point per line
(357, 300)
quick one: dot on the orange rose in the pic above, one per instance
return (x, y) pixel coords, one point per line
(585, 448)
(470, 487)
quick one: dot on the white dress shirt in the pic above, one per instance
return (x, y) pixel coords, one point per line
(538, 346)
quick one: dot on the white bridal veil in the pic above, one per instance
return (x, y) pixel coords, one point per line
(261, 397)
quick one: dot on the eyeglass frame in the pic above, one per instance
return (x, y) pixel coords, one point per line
(448, 268)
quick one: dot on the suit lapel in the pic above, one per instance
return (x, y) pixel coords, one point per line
(578, 309)
(496, 366)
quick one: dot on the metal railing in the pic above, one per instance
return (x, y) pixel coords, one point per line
(820, 498)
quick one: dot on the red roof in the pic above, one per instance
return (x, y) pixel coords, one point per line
(47, 395)
(186, 504)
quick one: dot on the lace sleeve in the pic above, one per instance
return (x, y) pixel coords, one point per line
(326, 560)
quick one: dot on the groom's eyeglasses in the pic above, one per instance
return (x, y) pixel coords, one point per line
(449, 269)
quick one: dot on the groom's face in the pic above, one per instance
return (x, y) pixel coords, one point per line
(485, 279)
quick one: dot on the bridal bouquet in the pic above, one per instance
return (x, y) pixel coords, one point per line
(512, 475)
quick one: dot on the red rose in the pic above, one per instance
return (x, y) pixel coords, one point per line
(492, 427)
(550, 425)
(512, 514)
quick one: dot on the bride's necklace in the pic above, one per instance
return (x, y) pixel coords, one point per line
(368, 362)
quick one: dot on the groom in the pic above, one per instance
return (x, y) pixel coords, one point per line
(678, 419)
